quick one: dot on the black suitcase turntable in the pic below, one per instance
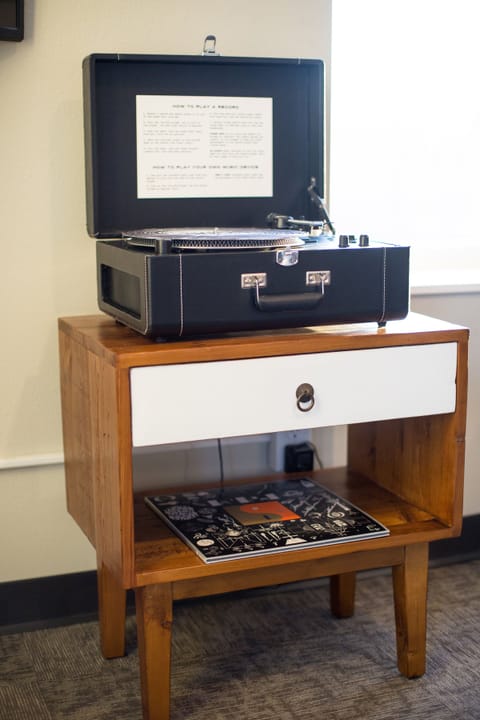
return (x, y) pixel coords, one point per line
(201, 171)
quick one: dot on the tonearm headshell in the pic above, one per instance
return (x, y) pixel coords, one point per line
(313, 227)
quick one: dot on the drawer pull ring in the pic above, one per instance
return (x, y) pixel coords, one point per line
(305, 397)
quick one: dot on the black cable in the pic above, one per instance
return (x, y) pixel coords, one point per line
(220, 460)
(317, 456)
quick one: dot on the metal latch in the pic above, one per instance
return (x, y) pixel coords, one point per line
(286, 257)
(210, 45)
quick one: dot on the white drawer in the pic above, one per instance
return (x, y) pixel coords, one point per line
(175, 403)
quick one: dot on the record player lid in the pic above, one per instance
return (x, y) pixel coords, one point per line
(202, 141)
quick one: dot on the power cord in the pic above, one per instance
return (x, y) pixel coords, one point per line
(220, 462)
(313, 447)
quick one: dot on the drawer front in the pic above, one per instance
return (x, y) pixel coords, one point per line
(175, 403)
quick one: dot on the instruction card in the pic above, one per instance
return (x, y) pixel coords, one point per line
(202, 146)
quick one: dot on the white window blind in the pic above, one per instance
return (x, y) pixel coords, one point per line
(405, 127)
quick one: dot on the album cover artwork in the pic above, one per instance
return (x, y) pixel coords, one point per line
(249, 520)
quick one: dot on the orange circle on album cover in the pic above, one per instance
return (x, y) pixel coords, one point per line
(261, 512)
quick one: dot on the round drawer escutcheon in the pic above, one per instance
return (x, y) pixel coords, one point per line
(305, 397)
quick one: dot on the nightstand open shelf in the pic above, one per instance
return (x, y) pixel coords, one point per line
(401, 390)
(160, 556)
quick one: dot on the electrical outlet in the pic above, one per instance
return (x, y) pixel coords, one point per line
(276, 457)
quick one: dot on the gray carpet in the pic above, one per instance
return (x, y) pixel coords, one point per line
(269, 656)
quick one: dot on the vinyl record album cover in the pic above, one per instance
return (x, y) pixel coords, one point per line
(250, 520)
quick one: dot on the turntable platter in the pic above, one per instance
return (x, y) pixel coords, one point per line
(205, 238)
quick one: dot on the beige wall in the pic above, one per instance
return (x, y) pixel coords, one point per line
(48, 265)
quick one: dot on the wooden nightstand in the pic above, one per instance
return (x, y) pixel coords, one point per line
(402, 392)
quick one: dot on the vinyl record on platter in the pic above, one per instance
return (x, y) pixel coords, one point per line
(206, 238)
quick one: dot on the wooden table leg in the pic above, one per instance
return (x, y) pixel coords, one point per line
(112, 608)
(342, 594)
(410, 580)
(154, 629)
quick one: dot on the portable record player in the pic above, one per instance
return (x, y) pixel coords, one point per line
(201, 172)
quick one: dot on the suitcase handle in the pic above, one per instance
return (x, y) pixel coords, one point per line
(288, 301)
